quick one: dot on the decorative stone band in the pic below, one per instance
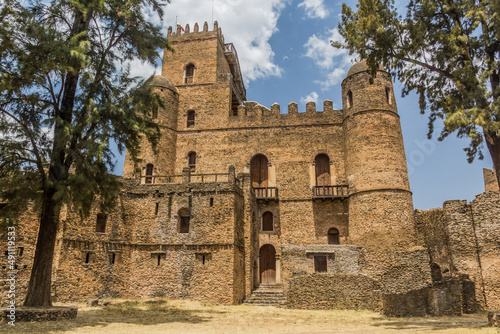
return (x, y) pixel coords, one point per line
(380, 189)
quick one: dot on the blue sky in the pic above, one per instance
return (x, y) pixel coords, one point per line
(284, 52)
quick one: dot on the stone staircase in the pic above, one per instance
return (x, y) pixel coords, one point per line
(267, 295)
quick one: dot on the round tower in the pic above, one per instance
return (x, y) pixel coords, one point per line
(163, 163)
(380, 201)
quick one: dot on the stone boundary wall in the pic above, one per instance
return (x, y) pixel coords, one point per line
(334, 291)
(42, 314)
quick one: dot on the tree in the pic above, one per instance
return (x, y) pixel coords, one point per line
(447, 51)
(63, 99)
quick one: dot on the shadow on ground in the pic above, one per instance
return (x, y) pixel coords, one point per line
(432, 323)
(151, 312)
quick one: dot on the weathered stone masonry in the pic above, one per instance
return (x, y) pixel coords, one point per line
(315, 203)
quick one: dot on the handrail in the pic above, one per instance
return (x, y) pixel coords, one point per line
(337, 191)
(265, 192)
(193, 178)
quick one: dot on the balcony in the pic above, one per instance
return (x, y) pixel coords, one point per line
(266, 193)
(330, 192)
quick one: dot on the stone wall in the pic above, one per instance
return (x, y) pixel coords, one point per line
(334, 291)
(463, 239)
(490, 180)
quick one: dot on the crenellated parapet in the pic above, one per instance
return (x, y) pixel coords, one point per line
(177, 34)
(252, 112)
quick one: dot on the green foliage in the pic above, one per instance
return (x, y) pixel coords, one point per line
(446, 51)
(64, 96)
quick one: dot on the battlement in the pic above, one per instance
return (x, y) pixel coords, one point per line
(177, 34)
(253, 109)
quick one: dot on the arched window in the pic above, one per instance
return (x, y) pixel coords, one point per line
(322, 167)
(190, 118)
(258, 171)
(349, 99)
(149, 173)
(267, 221)
(192, 161)
(333, 236)
(184, 218)
(188, 77)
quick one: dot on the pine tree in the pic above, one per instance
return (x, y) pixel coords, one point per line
(64, 98)
(446, 51)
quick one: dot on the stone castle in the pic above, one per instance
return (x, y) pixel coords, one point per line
(242, 202)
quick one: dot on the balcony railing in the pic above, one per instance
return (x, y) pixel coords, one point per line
(266, 193)
(331, 192)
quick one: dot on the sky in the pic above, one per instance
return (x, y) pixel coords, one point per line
(285, 55)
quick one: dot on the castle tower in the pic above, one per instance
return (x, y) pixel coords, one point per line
(204, 67)
(163, 163)
(380, 202)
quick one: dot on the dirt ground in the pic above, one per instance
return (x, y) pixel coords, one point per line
(183, 316)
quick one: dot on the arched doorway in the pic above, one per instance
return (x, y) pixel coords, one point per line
(333, 236)
(258, 171)
(267, 265)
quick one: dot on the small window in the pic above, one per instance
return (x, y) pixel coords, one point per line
(149, 173)
(158, 260)
(192, 161)
(112, 258)
(267, 221)
(211, 201)
(188, 78)
(388, 95)
(154, 113)
(20, 251)
(100, 225)
(349, 99)
(157, 205)
(320, 264)
(203, 259)
(87, 258)
(184, 217)
(190, 119)
(333, 236)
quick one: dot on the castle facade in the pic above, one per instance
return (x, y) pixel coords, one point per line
(314, 206)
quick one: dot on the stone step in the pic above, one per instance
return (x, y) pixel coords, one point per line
(267, 295)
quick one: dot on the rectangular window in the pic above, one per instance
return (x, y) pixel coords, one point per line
(101, 223)
(20, 251)
(184, 228)
(112, 258)
(211, 201)
(320, 264)
(156, 208)
(87, 258)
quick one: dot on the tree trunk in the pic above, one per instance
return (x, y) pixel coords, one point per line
(41, 274)
(493, 142)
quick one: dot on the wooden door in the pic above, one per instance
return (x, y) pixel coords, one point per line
(267, 265)
(258, 171)
(322, 170)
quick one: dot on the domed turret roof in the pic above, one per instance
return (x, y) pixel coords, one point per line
(161, 81)
(361, 66)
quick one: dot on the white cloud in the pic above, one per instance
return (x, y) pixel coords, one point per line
(335, 62)
(321, 51)
(313, 96)
(315, 9)
(247, 24)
